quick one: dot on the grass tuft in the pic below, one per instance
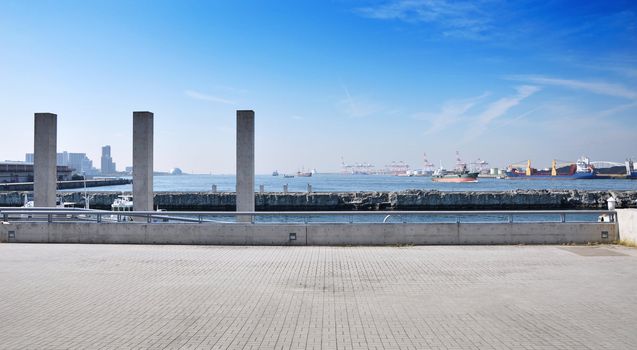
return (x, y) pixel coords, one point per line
(628, 243)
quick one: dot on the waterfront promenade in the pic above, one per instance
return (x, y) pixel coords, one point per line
(446, 297)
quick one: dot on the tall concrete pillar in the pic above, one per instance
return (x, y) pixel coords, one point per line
(45, 159)
(142, 161)
(245, 162)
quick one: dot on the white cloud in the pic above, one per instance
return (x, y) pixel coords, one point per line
(617, 109)
(451, 112)
(601, 88)
(501, 106)
(204, 97)
(456, 18)
(499, 109)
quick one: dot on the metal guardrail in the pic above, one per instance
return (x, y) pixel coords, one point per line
(99, 216)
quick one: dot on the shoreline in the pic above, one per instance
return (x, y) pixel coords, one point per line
(365, 201)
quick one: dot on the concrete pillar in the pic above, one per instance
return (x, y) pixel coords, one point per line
(45, 160)
(214, 188)
(245, 162)
(285, 188)
(309, 188)
(142, 161)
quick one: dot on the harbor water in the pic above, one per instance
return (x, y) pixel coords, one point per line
(368, 183)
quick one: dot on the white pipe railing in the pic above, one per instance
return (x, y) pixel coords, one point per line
(84, 215)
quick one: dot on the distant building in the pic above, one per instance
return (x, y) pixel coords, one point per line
(63, 158)
(108, 166)
(78, 162)
(23, 172)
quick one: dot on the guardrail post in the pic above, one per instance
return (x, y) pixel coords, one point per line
(510, 218)
(149, 218)
(200, 220)
(99, 218)
(562, 217)
(50, 218)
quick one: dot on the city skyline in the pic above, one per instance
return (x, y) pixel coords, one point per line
(359, 81)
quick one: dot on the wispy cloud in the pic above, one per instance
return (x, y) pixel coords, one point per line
(617, 109)
(601, 88)
(501, 106)
(498, 109)
(205, 97)
(465, 19)
(451, 112)
(358, 107)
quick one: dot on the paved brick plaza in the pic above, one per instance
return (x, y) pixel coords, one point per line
(119, 296)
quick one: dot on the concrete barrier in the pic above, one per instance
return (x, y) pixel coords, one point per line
(309, 234)
(627, 222)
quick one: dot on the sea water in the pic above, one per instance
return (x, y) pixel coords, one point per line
(367, 183)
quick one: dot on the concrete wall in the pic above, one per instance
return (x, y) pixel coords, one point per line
(627, 222)
(308, 234)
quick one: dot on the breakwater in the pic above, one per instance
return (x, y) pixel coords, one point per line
(403, 200)
(66, 185)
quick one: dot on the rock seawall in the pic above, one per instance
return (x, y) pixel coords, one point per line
(404, 200)
(66, 185)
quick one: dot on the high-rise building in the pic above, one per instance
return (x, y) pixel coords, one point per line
(63, 158)
(78, 162)
(108, 166)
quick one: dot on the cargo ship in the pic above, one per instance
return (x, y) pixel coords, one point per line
(582, 169)
(631, 173)
(459, 174)
(464, 175)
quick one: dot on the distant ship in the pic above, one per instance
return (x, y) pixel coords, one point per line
(459, 175)
(288, 176)
(275, 173)
(582, 169)
(631, 172)
(303, 173)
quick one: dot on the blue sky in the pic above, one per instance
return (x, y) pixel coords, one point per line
(366, 81)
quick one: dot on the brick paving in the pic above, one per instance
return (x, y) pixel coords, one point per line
(196, 297)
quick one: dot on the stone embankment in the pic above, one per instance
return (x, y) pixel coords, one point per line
(66, 185)
(405, 200)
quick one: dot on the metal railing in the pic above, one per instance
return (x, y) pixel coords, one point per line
(302, 217)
